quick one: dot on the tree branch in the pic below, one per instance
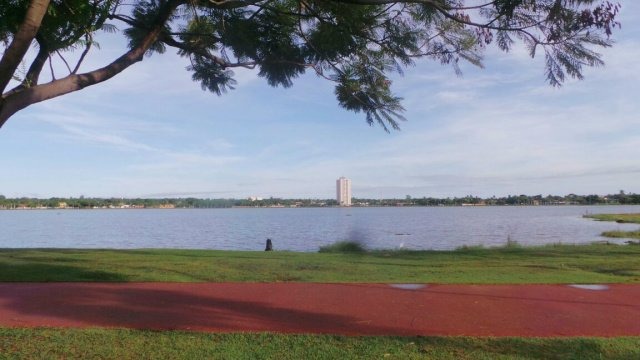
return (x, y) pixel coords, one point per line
(89, 40)
(230, 4)
(438, 3)
(74, 82)
(21, 41)
(204, 53)
(53, 74)
(33, 74)
(64, 61)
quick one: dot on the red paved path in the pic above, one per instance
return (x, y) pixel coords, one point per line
(352, 309)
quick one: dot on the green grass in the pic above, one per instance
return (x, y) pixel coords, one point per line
(622, 234)
(621, 218)
(598, 263)
(139, 344)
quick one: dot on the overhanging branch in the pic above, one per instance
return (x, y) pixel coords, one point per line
(74, 82)
(21, 41)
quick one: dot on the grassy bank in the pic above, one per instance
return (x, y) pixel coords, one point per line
(622, 234)
(619, 218)
(133, 344)
(548, 264)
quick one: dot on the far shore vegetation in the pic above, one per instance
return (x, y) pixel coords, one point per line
(512, 264)
(83, 202)
(622, 219)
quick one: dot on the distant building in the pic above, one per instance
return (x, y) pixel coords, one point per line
(343, 191)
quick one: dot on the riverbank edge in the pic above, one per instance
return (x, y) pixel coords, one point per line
(620, 219)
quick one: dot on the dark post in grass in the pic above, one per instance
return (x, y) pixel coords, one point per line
(269, 246)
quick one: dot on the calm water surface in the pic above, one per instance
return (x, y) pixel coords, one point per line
(305, 229)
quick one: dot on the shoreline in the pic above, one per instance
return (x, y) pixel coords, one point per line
(316, 207)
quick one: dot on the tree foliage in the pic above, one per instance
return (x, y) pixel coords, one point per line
(355, 44)
(510, 200)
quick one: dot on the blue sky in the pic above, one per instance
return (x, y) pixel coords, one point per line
(152, 132)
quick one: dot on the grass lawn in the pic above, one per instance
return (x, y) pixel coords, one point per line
(620, 218)
(137, 344)
(599, 263)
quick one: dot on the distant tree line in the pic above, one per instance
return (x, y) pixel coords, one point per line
(184, 203)
(620, 198)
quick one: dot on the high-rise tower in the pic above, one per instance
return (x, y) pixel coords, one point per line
(343, 191)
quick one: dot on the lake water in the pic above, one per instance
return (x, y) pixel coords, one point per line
(305, 229)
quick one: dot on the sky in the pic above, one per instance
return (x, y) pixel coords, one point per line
(502, 130)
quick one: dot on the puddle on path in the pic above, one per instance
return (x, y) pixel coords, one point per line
(598, 287)
(408, 286)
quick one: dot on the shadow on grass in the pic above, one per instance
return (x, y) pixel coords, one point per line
(33, 271)
(618, 272)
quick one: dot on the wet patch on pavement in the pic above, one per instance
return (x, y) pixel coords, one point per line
(408, 286)
(596, 287)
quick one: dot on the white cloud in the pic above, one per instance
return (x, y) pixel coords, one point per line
(454, 97)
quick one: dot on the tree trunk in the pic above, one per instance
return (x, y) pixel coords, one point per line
(21, 41)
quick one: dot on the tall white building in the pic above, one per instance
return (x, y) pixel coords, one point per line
(343, 191)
